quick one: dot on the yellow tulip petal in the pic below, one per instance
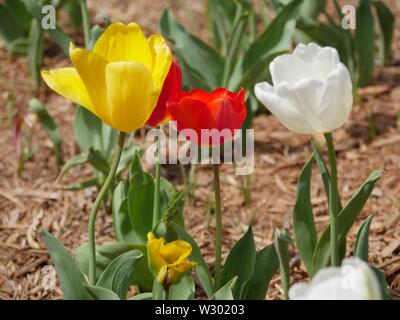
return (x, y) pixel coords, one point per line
(91, 69)
(176, 250)
(162, 274)
(150, 236)
(71, 48)
(132, 94)
(66, 82)
(121, 42)
(156, 261)
(177, 270)
(161, 57)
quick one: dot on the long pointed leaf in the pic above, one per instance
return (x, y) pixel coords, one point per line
(386, 22)
(361, 246)
(117, 275)
(226, 292)
(48, 125)
(243, 250)
(194, 52)
(365, 42)
(346, 219)
(267, 264)
(72, 279)
(303, 218)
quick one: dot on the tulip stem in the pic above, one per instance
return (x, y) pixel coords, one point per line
(156, 203)
(333, 201)
(218, 227)
(85, 22)
(93, 212)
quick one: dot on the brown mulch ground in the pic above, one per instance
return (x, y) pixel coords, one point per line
(32, 201)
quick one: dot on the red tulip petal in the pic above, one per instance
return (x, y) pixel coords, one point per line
(169, 92)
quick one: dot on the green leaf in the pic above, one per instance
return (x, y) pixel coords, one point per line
(91, 133)
(201, 269)
(48, 125)
(105, 254)
(117, 275)
(142, 296)
(92, 182)
(58, 35)
(346, 218)
(183, 290)
(365, 42)
(35, 51)
(18, 46)
(97, 160)
(72, 279)
(361, 245)
(73, 9)
(326, 179)
(126, 157)
(266, 266)
(226, 292)
(382, 283)
(195, 53)
(121, 221)
(159, 293)
(276, 38)
(235, 43)
(100, 293)
(243, 250)
(140, 198)
(303, 218)
(15, 21)
(312, 8)
(73, 162)
(171, 202)
(136, 166)
(108, 139)
(142, 278)
(281, 241)
(95, 34)
(386, 22)
(140, 204)
(87, 129)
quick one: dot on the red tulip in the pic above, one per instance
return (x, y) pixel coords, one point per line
(170, 92)
(220, 109)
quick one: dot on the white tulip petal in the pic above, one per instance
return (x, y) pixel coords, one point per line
(279, 102)
(288, 68)
(337, 100)
(353, 281)
(308, 94)
(307, 52)
(324, 63)
(311, 92)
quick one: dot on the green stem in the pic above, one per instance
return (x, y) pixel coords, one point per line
(192, 182)
(96, 205)
(184, 175)
(218, 226)
(333, 201)
(156, 203)
(85, 22)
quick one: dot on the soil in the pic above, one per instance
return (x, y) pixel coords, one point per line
(33, 200)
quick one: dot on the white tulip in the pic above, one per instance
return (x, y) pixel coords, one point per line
(355, 280)
(311, 92)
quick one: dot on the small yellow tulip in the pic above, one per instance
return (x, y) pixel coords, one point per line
(120, 80)
(168, 261)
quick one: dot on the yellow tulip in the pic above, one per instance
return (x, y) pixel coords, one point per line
(168, 261)
(120, 80)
